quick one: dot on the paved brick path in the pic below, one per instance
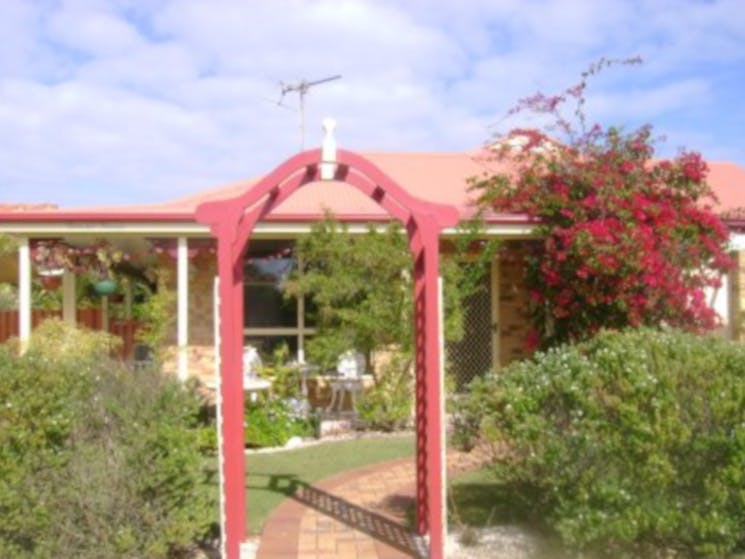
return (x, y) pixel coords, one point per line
(355, 515)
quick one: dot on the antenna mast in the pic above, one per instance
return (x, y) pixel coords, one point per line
(302, 87)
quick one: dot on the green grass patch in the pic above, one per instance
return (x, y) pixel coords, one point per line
(272, 477)
(478, 498)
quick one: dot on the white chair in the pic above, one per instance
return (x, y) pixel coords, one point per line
(349, 369)
(251, 381)
(251, 362)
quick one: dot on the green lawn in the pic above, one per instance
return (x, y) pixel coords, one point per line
(477, 499)
(272, 477)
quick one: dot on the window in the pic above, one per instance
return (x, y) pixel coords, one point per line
(270, 318)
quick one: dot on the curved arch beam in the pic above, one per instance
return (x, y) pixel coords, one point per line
(276, 196)
(232, 220)
(215, 211)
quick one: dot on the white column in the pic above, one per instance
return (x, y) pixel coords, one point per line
(182, 273)
(718, 300)
(24, 293)
(301, 329)
(69, 299)
(300, 319)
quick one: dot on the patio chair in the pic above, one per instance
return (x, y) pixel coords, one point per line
(142, 357)
(251, 362)
(252, 384)
(349, 370)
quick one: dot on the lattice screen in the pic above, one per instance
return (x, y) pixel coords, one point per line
(472, 356)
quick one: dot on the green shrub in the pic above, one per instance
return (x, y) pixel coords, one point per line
(56, 341)
(157, 314)
(632, 441)
(95, 460)
(274, 421)
(285, 376)
(387, 406)
(8, 297)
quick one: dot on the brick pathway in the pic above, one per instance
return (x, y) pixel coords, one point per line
(355, 515)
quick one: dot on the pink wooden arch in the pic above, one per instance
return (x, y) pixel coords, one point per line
(232, 222)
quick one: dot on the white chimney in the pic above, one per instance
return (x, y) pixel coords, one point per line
(328, 150)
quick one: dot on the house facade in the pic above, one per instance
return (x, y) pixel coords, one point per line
(437, 177)
(496, 318)
(229, 248)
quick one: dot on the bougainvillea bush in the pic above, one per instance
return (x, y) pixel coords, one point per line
(631, 444)
(629, 240)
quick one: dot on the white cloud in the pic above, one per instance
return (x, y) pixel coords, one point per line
(646, 103)
(91, 32)
(154, 67)
(131, 101)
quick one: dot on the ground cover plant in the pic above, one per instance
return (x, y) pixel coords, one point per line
(273, 419)
(97, 460)
(629, 444)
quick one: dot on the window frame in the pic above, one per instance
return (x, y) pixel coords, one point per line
(300, 331)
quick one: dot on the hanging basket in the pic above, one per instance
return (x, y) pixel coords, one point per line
(51, 278)
(50, 283)
(105, 287)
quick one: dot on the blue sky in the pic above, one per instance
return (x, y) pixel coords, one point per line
(122, 101)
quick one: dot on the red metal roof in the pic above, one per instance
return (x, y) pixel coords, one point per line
(728, 181)
(4, 208)
(437, 177)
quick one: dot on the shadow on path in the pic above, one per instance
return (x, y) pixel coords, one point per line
(375, 525)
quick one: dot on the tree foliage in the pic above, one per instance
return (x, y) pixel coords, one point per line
(8, 244)
(629, 240)
(362, 289)
(359, 287)
(362, 298)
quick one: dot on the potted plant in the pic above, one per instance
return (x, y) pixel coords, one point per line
(102, 259)
(51, 259)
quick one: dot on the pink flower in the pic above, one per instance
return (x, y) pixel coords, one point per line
(536, 296)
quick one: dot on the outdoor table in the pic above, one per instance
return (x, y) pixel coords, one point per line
(251, 385)
(254, 385)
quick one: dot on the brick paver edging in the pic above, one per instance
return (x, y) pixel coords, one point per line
(296, 530)
(358, 514)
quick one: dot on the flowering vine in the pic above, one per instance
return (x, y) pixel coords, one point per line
(629, 240)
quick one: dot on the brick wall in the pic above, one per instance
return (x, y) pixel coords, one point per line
(514, 320)
(737, 297)
(9, 268)
(201, 324)
(201, 362)
(201, 304)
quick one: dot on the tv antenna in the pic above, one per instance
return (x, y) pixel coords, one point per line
(302, 87)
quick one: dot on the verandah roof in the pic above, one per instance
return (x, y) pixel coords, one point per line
(437, 177)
